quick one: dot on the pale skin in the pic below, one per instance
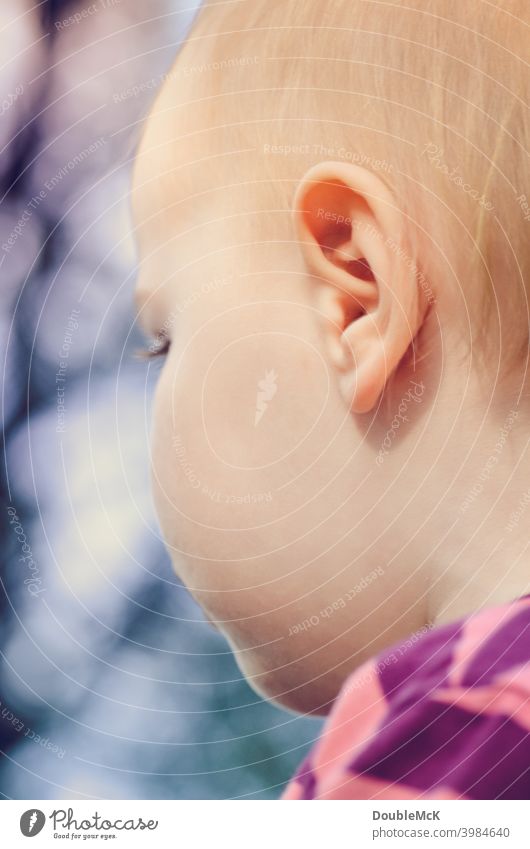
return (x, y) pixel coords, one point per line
(270, 524)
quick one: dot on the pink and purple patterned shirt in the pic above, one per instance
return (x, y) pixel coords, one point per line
(445, 715)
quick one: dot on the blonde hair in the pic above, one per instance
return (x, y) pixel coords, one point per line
(432, 95)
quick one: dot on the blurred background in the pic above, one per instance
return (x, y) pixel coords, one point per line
(111, 684)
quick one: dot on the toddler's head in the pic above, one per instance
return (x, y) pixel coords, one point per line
(333, 224)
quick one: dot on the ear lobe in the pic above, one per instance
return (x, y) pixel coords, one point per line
(352, 234)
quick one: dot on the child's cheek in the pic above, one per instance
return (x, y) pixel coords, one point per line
(239, 416)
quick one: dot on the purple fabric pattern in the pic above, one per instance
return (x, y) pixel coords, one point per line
(444, 716)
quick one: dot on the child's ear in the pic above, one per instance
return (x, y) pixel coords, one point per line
(352, 236)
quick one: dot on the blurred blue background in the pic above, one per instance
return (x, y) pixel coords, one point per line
(111, 683)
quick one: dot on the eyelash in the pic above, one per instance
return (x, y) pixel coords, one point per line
(159, 347)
